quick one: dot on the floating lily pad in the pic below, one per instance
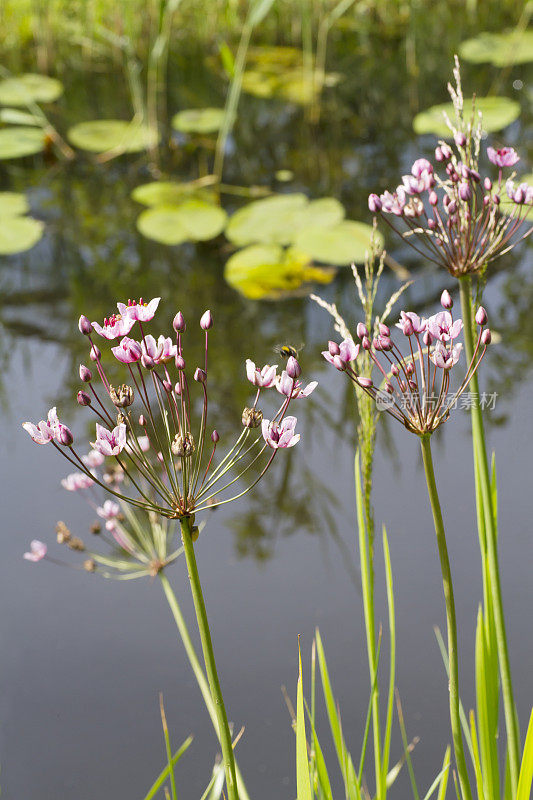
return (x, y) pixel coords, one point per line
(270, 272)
(507, 206)
(13, 204)
(498, 113)
(190, 221)
(259, 84)
(159, 193)
(198, 120)
(275, 58)
(277, 219)
(29, 88)
(18, 234)
(340, 245)
(14, 116)
(19, 142)
(100, 135)
(500, 49)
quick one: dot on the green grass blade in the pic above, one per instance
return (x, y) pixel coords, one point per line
(464, 721)
(303, 784)
(169, 750)
(406, 748)
(159, 781)
(385, 753)
(331, 708)
(525, 779)
(321, 768)
(445, 774)
(215, 786)
(477, 761)
(369, 714)
(437, 782)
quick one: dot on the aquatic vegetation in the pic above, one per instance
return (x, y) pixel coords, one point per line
(192, 220)
(20, 90)
(198, 120)
(498, 113)
(105, 135)
(19, 142)
(18, 232)
(500, 49)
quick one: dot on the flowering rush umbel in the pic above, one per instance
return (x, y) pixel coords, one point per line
(149, 432)
(455, 217)
(414, 385)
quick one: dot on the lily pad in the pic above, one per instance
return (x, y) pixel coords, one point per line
(270, 272)
(13, 204)
(29, 88)
(507, 206)
(274, 57)
(340, 245)
(190, 221)
(498, 113)
(500, 49)
(18, 234)
(14, 116)
(159, 193)
(277, 219)
(18, 142)
(259, 84)
(198, 120)
(100, 135)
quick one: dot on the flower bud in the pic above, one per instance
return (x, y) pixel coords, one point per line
(438, 154)
(147, 361)
(486, 337)
(496, 199)
(384, 329)
(339, 363)
(83, 398)
(95, 354)
(85, 374)
(487, 183)
(365, 344)
(167, 386)
(389, 388)
(446, 299)
(215, 437)
(427, 338)
(179, 323)
(364, 383)
(180, 363)
(465, 191)
(206, 320)
(333, 348)
(432, 224)
(374, 203)
(395, 371)
(200, 375)
(433, 199)
(293, 368)
(481, 316)
(142, 421)
(460, 139)
(408, 329)
(177, 388)
(84, 325)
(64, 435)
(362, 330)
(410, 368)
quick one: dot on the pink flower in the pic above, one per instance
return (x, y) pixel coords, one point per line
(115, 326)
(75, 481)
(141, 311)
(128, 351)
(394, 203)
(45, 430)
(521, 194)
(166, 349)
(110, 443)
(263, 378)
(442, 326)
(109, 511)
(93, 459)
(420, 166)
(37, 551)
(445, 359)
(292, 388)
(348, 351)
(411, 321)
(503, 157)
(280, 435)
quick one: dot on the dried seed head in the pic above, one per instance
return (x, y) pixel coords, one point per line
(252, 417)
(76, 544)
(121, 397)
(183, 445)
(63, 533)
(89, 565)
(95, 528)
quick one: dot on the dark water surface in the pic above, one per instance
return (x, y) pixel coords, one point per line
(82, 658)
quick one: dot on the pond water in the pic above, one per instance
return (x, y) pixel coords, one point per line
(83, 659)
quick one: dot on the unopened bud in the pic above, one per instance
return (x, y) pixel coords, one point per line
(496, 199)
(465, 191)
(179, 323)
(95, 354)
(252, 417)
(84, 325)
(408, 328)
(438, 154)
(481, 316)
(83, 398)
(293, 368)
(486, 337)
(374, 203)
(460, 139)
(395, 371)
(446, 299)
(206, 320)
(410, 368)
(433, 198)
(85, 374)
(64, 435)
(365, 343)
(364, 383)
(180, 363)
(361, 330)
(142, 421)
(384, 329)
(487, 183)
(339, 363)
(333, 348)
(200, 375)
(427, 338)
(147, 361)
(215, 438)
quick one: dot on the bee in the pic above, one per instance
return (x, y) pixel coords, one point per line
(286, 350)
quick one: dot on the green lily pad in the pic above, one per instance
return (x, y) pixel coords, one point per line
(274, 57)
(270, 272)
(507, 206)
(29, 88)
(498, 113)
(100, 135)
(159, 193)
(340, 245)
(190, 221)
(19, 142)
(14, 116)
(13, 204)
(259, 84)
(198, 120)
(18, 234)
(277, 219)
(500, 49)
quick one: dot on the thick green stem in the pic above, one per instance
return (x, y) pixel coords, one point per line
(197, 669)
(480, 456)
(453, 655)
(209, 658)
